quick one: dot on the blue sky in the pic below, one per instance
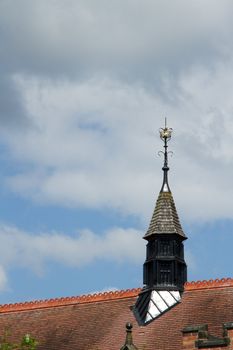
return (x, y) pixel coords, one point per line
(84, 89)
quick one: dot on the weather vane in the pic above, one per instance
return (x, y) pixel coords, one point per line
(165, 135)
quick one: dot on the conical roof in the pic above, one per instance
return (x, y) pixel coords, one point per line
(165, 219)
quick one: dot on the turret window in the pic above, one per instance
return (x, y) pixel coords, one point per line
(165, 273)
(165, 248)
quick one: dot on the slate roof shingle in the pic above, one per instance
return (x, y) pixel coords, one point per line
(165, 219)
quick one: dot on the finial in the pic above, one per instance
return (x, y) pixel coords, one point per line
(165, 135)
(128, 339)
(129, 345)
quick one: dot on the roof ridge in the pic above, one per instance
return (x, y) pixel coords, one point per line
(209, 284)
(63, 301)
(105, 296)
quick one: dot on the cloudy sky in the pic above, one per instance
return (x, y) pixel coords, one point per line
(84, 88)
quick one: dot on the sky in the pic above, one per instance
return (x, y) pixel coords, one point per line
(85, 86)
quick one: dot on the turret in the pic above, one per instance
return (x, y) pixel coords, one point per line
(164, 270)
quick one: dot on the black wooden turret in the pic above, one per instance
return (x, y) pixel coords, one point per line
(164, 270)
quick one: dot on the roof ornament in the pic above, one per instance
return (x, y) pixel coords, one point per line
(129, 345)
(165, 135)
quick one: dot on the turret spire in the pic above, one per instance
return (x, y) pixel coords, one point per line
(165, 219)
(165, 135)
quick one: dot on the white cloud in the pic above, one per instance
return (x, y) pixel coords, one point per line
(3, 279)
(91, 140)
(128, 38)
(105, 290)
(92, 144)
(191, 261)
(31, 251)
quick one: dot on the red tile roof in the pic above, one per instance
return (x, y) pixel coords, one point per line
(98, 321)
(218, 283)
(82, 299)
